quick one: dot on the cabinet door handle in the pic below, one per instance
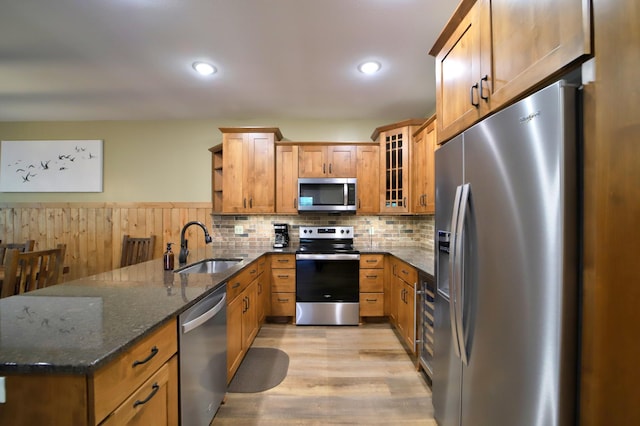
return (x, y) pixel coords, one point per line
(295, 203)
(154, 352)
(485, 78)
(251, 202)
(475, 104)
(330, 171)
(324, 168)
(155, 388)
(244, 203)
(404, 201)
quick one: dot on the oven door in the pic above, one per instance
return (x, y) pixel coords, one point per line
(327, 289)
(327, 277)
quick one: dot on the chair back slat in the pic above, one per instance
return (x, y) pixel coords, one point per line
(136, 250)
(32, 270)
(26, 246)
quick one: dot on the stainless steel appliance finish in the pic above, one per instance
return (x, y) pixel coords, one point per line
(327, 195)
(426, 296)
(327, 277)
(203, 358)
(506, 302)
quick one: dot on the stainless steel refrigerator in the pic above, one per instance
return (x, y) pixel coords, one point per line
(507, 267)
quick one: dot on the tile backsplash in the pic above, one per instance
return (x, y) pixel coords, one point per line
(388, 231)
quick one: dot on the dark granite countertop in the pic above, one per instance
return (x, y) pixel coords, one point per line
(79, 326)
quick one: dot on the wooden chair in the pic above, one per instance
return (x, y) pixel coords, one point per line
(136, 250)
(32, 270)
(26, 246)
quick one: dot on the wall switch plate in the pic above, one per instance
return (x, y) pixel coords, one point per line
(238, 229)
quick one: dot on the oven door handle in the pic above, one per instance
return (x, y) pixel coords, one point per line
(325, 256)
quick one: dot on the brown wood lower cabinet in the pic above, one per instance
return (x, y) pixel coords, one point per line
(402, 306)
(243, 310)
(283, 285)
(122, 392)
(371, 285)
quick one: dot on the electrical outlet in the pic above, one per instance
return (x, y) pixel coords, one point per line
(371, 231)
(238, 229)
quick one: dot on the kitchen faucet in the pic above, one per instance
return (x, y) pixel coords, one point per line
(184, 251)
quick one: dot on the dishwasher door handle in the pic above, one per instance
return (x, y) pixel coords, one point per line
(196, 322)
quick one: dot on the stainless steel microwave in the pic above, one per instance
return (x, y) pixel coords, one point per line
(327, 194)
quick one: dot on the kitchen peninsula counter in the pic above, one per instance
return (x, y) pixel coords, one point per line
(80, 326)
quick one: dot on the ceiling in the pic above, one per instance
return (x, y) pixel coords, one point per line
(132, 59)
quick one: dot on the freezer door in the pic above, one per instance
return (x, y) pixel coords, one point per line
(520, 264)
(447, 367)
(448, 161)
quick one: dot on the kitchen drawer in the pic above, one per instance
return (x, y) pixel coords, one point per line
(283, 280)
(283, 304)
(118, 380)
(371, 304)
(407, 273)
(262, 264)
(372, 261)
(283, 261)
(371, 280)
(151, 403)
(241, 280)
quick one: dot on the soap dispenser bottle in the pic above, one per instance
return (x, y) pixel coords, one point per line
(168, 258)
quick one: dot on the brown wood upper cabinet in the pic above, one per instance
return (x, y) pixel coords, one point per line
(248, 169)
(423, 188)
(493, 52)
(395, 146)
(320, 160)
(368, 175)
(287, 179)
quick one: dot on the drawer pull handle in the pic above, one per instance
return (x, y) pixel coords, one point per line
(371, 260)
(372, 277)
(236, 285)
(155, 387)
(283, 260)
(283, 276)
(283, 300)
(372, 300)
(154, 352)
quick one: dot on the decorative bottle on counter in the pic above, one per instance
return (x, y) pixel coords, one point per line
(168, 258)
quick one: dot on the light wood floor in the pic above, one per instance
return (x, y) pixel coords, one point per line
(337, 375)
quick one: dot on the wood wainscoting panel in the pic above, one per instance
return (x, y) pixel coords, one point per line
(93, 231)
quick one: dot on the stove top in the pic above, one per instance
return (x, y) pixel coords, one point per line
(326, 240)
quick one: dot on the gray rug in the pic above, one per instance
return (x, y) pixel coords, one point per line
(261, 369)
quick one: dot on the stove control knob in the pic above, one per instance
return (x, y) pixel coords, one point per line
(347, 231)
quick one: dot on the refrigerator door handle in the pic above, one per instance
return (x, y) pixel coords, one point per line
(452, 272)
(460, 273)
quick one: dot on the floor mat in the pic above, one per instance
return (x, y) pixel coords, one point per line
(261, 369)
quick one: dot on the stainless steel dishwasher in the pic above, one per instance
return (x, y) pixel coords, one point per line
(203, 358)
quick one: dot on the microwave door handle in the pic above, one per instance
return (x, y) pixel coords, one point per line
(345, 194)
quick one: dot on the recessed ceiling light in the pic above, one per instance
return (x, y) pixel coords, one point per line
(204, 68)
(370, 67)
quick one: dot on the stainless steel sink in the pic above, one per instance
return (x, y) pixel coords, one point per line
(208, 266)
